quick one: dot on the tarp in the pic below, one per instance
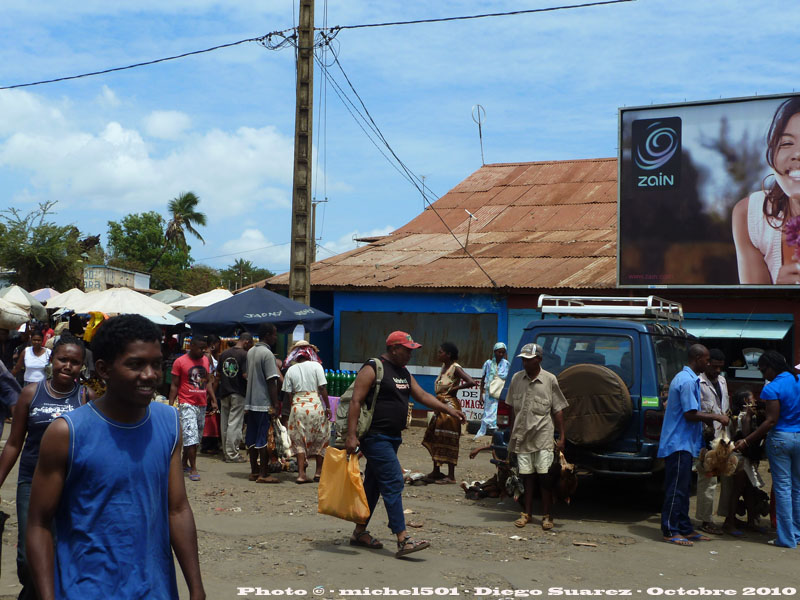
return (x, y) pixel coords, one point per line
(726, 328)
(23, 299)
(11, 315)
(249, 309)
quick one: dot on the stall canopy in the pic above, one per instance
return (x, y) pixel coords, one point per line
(64, 299)
(202, 300)
(723, 328)
(125, 301)
(169, 296)
(44, 294)
(250, 309)
(23, 299)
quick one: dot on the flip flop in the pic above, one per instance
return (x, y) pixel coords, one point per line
(253, 477)
(678, 540)
(269, 479)
(712, 529)
(698, 537)
(733, 532)
(316, 477)
(444, 480)
(758, 529)
(194, 477)
(301, 481)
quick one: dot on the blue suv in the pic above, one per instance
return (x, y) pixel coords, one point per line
(615, 373)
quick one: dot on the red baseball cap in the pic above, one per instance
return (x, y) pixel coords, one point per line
(401, 338)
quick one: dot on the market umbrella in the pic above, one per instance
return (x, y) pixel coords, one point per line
(123, 300)
(65, 299)
(11, 315)
(23, 299)
(44, 294)
(202, 300)
(250, 309)
(169, 296)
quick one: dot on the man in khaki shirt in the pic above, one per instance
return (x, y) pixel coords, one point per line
(536, 403)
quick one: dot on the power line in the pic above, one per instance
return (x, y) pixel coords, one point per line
(484, 15)
(260, 39)
(241, 252)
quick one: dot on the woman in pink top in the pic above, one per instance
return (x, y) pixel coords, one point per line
(766, 224)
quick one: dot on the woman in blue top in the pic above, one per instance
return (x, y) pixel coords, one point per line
(782, 428)
(496, 367)
(38, 404)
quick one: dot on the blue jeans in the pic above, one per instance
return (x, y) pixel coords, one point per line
(23, 574)
(383, 476)
(783, 451)
(489, 420)
(677, 486)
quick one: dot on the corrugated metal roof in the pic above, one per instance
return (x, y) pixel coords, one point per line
(539, 225)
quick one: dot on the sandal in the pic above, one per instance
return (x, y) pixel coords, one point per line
(269, 479)
(547, 523)
(253, 477)
(678, 540)
(371, 542)
(409, 545)
(711, 528)
(523, 520)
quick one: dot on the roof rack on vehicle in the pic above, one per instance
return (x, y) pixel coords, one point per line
(650, 307)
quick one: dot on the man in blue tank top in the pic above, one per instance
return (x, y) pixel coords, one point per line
(117, 520)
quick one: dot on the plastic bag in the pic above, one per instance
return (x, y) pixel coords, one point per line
(341, 492)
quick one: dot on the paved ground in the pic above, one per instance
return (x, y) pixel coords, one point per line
(271, 537)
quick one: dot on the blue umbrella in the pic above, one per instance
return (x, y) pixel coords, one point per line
(250, 309)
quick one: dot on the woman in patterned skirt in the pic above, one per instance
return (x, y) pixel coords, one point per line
(444, 432)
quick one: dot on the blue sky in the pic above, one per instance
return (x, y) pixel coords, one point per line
(222, 124)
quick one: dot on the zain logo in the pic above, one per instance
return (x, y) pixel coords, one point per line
(657, 152)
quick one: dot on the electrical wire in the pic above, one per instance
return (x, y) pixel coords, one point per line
(147, 63)
(241, 252)
(484, 15)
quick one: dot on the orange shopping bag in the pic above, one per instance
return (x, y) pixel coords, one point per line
(341, 492)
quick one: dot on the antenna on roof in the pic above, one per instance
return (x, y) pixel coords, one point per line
(479, 116)
(469, 223)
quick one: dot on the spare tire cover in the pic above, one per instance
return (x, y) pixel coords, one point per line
(599, 404)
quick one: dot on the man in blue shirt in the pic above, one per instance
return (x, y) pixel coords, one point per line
(681, 440)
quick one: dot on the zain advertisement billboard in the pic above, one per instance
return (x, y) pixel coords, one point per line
(709, 194)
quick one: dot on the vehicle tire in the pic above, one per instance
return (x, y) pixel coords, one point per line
(600, 406)
(473, 426)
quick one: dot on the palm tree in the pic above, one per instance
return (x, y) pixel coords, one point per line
(184, 218)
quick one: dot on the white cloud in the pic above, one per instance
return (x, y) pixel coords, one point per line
(254, 246)
(166, 124)
(107, 97)
(243, 172)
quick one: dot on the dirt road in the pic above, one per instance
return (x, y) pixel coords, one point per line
(270, 537)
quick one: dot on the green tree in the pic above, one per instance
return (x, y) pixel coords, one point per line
(40, 251)
(137, 241)
(243, 272)
(199, 279)
(185, 217)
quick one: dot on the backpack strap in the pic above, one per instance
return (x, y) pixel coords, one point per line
(378, 379)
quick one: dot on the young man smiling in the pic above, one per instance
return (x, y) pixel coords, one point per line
(109, 478)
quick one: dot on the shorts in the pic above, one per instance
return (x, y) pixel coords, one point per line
(257, 433)
(193, 420)
(539, 462)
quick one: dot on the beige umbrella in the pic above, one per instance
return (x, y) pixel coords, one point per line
(20, 297)
(11, 315)
(65, 299)
(202, 300)
(121, 301)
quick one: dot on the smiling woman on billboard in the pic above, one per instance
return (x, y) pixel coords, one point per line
(766, 225)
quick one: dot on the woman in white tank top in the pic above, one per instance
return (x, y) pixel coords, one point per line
(766, 224)
(34, 360)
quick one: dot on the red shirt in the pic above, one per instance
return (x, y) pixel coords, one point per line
(191, 375)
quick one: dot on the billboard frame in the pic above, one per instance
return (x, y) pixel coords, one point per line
(666, 286)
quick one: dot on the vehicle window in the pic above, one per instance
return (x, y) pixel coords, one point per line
(671, 356)
(612, 351)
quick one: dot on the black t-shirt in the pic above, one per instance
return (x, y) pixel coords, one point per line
(391, 410)
(232, 367)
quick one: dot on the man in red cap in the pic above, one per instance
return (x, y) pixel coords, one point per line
(383, 475)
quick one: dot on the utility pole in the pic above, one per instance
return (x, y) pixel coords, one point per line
(302, 242)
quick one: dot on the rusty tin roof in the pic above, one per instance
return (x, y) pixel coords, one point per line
(539, 225)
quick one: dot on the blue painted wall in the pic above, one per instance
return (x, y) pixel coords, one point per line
(414, 302)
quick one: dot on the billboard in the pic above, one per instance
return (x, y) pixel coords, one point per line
(709, 194)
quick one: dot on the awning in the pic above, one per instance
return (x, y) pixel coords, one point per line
(722, 328)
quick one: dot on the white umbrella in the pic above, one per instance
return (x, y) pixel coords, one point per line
(11, 315)
(202, 300)
(23, 299)
(121, 301)
(65, 299)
